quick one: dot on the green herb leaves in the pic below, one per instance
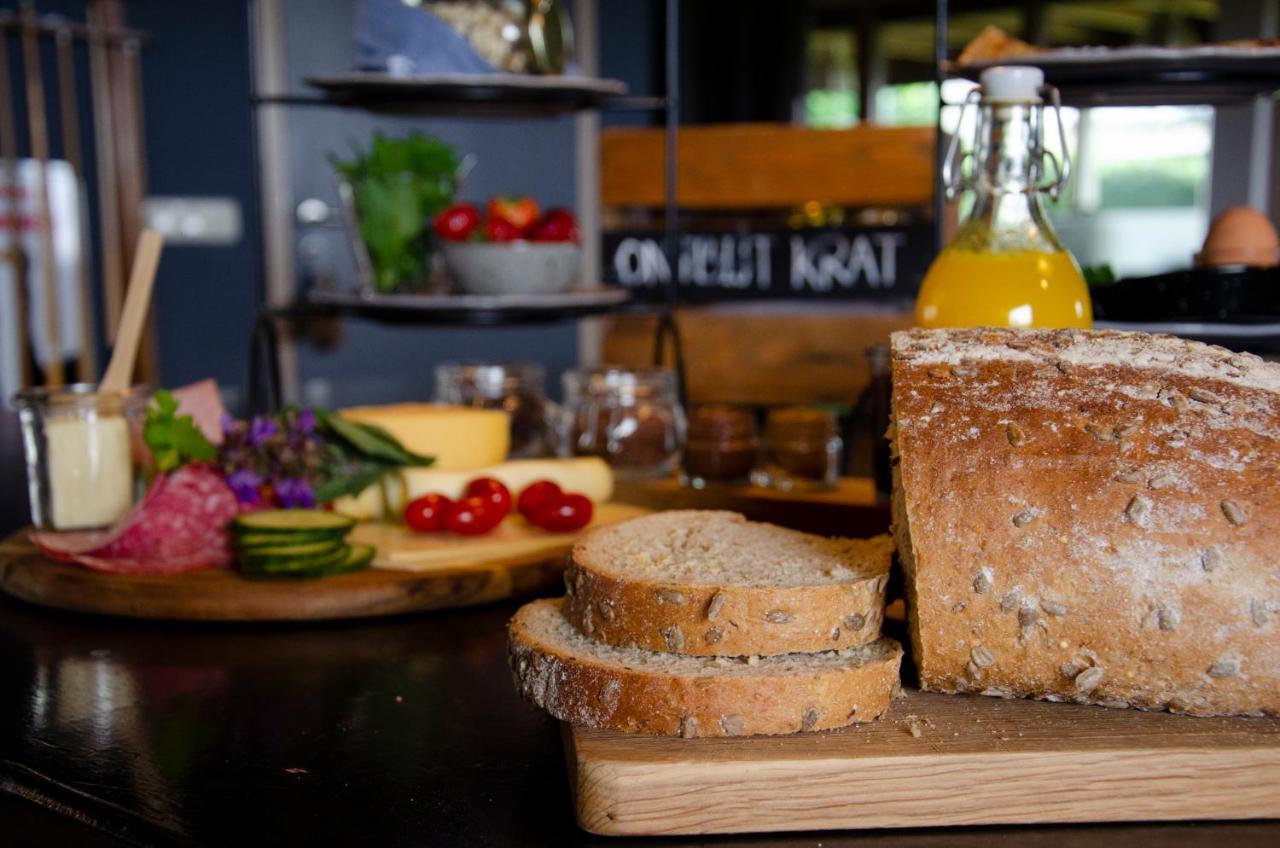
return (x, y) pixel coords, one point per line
(174, 440)
(400, 185)
(360, 455)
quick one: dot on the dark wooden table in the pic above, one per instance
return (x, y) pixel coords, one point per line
(400, 732)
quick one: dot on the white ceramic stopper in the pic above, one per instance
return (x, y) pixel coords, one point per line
(1012, 83)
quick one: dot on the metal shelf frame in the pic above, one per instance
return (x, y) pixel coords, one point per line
(264, 387)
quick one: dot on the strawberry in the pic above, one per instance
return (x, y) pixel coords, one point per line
(457, 222)
(522, 212)
(556, 225)
(500, 229)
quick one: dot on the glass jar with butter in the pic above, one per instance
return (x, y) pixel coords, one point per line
(83, 451)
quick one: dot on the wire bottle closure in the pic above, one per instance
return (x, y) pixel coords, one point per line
(955, 177)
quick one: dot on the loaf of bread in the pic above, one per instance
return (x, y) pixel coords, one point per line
(582, 681)
(1090, 516)
(712, 583)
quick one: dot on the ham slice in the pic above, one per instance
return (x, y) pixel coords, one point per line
(203, 402)
(179, 526)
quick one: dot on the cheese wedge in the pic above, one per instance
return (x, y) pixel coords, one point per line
(588, 475)
(459, 437)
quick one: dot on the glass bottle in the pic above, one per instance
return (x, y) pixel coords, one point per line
(1006, 266)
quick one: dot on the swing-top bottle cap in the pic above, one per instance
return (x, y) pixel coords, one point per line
(1012, 84)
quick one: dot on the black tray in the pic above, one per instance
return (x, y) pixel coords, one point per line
(1234, 294)
(1141, 75)
(497, 94)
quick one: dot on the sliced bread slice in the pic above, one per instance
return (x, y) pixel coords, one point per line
(582, 681)
(711, 583)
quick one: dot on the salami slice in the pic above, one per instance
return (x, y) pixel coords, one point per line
(179, 526)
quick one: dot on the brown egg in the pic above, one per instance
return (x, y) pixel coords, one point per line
(1241, 236)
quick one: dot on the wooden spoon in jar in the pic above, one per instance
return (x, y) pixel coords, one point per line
(137, 299)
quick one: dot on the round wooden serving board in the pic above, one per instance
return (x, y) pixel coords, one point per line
(422, 574)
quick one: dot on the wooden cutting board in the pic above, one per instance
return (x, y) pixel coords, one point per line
(933, 760)
(423, 572)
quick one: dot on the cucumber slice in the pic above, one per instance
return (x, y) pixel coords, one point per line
(291, 550)
(293, 564)
(293, 521)
(255, 541)
(358, 559)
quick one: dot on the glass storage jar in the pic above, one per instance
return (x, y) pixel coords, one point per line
(879, 398)
(721, 446)
(83, 453)
(802, 450)
(631, 418)
(518, 388)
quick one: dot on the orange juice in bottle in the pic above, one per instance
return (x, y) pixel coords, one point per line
(1006, 266)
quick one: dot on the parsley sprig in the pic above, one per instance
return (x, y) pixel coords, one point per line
(174, 440)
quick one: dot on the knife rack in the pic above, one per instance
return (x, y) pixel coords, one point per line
(57, 56)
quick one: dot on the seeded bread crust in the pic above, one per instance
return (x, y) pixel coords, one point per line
(620, 602)
(1091, 517)
(584, 682)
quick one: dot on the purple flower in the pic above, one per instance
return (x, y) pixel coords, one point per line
(262, 429)
(306, 422)
(228, 423)
(245, 483)
(295, 492)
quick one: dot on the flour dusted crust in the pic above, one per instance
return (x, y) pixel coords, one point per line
(1090, 516)
(731, 594)
(585, 682)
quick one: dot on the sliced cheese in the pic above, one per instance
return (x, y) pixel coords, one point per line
(459, 437)
(366, 506)
(586, 475)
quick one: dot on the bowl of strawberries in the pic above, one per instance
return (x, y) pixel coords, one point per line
(511, 247)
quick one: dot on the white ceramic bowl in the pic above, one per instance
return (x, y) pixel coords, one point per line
(513, 267)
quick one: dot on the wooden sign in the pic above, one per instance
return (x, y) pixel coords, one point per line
(874, 263)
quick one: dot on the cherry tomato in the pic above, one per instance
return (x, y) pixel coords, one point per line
(556, 225)
(500, 229)
(457, 222)
(426, 514)
(535, 496)
(473, 516)
(521, 211)
(498, 496)
(564, 515)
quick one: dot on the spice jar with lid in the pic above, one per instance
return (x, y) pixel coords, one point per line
(802, 450)
(631, 418)
(517, 388)
(721, 446)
